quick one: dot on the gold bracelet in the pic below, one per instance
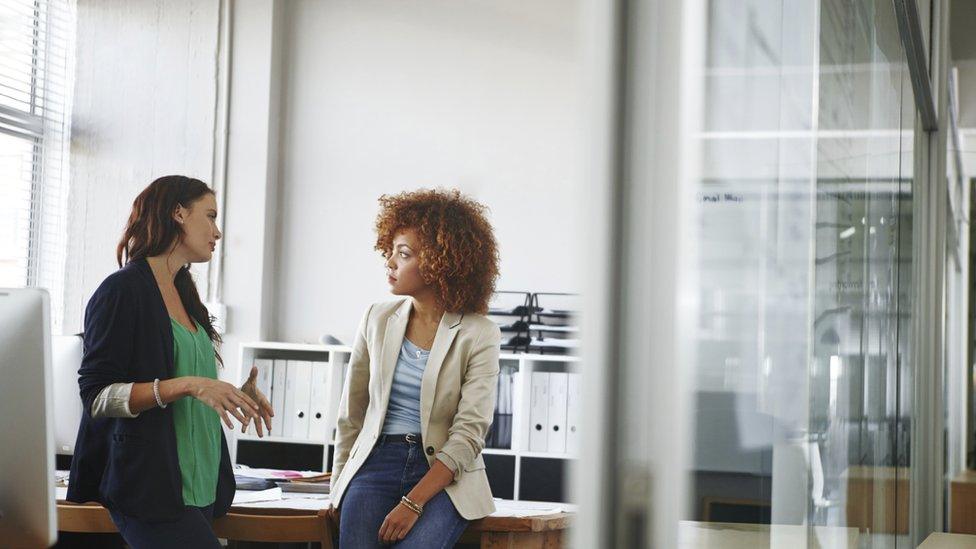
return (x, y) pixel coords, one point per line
(419, 509)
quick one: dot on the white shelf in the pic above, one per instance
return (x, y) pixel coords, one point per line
(553, 328)
(537, 357)
(499, 452)
(308, 347)
(547, 455)
(273, 438)
(516, 453)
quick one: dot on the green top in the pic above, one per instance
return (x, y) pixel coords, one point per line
(197, 425)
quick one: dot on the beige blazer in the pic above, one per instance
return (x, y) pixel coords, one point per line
(457, 398)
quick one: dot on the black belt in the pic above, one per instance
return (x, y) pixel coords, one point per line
(409, 438)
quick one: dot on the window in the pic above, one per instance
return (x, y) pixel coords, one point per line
(36, 42)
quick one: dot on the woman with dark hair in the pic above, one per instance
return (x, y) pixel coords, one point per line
(420, 392)
(150, 447)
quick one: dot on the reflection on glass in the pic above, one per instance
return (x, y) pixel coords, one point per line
(803, 383)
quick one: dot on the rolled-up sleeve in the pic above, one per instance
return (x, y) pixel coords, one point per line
(109, 339)
(355, 399)
(113, 401)
(466, 436)
(449, 462)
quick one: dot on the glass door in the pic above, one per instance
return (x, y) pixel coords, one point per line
(755, 321)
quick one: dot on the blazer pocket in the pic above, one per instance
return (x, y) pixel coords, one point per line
(127, 439)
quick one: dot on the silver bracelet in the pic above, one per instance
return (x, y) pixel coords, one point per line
(159, 401)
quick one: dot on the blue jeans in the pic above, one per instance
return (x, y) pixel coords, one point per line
(390, 472)
(192, 530)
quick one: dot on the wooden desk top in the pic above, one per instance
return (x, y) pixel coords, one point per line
(722, 535)
(876, 472)
(967, 476)
(539, 523)
(940, 540)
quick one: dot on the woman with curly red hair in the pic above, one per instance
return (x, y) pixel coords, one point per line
(422, 380)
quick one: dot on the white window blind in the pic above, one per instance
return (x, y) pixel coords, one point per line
(36, 44)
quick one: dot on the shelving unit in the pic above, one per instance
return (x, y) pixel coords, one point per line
(251, 450)
(504, 466)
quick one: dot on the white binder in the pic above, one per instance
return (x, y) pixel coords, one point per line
(298, 392)
(278, 377)
(572, 414)
(539, 412)
(319, 402)
(335, 383)
(265, 373)
(518, 423)
(557, 412)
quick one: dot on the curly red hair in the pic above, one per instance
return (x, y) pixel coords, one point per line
(458, 255)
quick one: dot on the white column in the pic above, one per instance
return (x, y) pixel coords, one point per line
(251, 201)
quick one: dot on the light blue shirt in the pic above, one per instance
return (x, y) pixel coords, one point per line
(403, 412)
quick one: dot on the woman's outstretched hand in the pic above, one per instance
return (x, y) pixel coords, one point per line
(250, 388)
(227, 400)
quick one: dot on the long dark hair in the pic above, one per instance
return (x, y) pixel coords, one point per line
(151, 231)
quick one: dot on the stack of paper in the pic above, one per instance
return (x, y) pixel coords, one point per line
(509, 508)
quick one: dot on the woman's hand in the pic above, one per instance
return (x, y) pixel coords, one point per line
(397, 524)
(332, 513)
(226, 399)
(250, 388)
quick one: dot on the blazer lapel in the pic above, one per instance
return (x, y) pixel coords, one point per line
(446, 332)
(158, 310)
(396, 328)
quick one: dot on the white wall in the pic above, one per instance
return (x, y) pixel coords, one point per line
(367, 98)
(143, 107)
(381, 97)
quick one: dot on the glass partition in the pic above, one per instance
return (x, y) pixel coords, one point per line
(803, 382)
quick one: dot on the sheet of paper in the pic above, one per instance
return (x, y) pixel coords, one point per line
(272, 474)
(251, 496)
(304, 503)
(509, 508)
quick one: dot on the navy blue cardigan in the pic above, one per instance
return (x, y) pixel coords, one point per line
(131, 465)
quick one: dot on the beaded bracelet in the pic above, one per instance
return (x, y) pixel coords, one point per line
(159, 401)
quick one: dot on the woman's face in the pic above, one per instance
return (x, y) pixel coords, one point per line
(200, 232)
(403, 265)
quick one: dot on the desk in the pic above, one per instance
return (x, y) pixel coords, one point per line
(721, 535)
(877, 498)
(304, 521)
(962, 503)
(948, 541)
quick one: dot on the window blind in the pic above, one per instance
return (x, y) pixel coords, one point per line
(36, 44)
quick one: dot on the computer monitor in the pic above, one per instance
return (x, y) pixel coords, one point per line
(27, 509)
(66, 355)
